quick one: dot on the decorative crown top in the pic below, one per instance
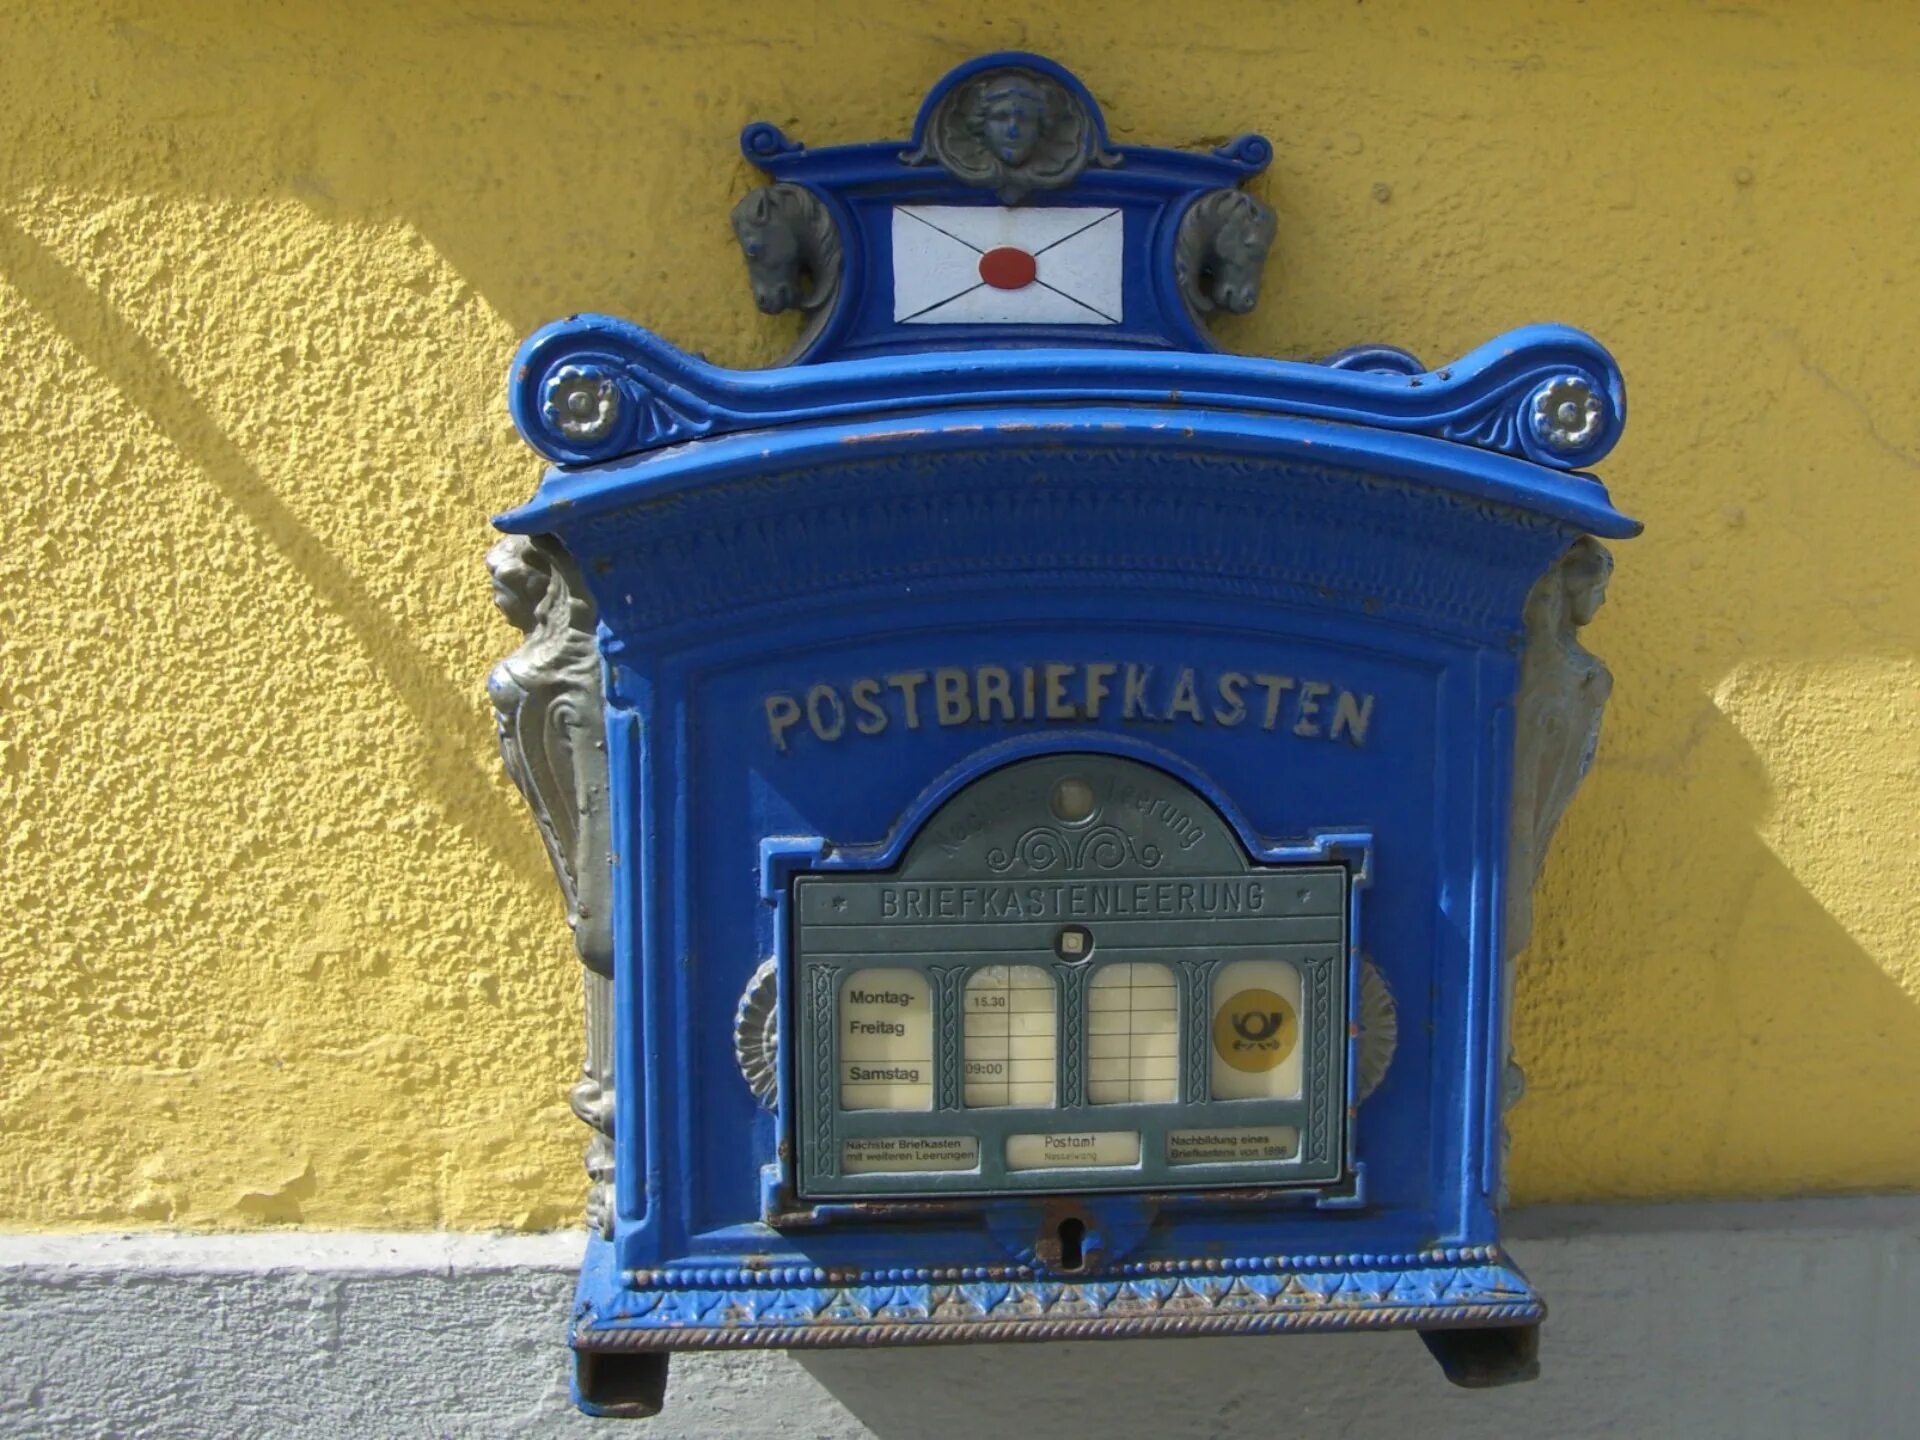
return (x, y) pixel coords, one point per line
(1009, 253)
(1007, 218)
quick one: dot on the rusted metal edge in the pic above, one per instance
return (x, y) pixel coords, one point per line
(947, 1332)
(770, 1274)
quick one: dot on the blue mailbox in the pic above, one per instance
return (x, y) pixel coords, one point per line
(1046, 807)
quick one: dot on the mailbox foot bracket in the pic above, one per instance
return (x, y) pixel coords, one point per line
(1450, 1296)
(620, 1384)
(1488, 1356)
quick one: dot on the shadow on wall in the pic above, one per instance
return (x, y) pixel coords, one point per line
(1692, 1020)
(557, 163)
(1749, 1321)
(441, 712)
(1350, 1385)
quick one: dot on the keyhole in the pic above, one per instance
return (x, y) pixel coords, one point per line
(1073, 1234)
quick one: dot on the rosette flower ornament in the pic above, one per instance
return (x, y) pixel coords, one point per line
(582, 402)
(1567, 414)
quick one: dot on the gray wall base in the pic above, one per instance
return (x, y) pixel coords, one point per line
(1753, 1320)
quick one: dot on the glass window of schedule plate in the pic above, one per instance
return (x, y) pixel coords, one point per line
(1133, 1035)
(886, 1040)
(1010, 1027)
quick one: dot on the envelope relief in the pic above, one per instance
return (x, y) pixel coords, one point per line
(988, 264)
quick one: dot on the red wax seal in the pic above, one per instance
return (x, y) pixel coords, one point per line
(1008, 268)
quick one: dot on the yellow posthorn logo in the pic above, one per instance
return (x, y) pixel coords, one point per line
(1255, 1030)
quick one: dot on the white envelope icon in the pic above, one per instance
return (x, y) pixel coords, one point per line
(986, 264)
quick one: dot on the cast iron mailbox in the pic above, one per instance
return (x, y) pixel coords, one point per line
(1046, 806)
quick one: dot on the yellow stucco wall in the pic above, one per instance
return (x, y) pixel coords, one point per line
(277, 942)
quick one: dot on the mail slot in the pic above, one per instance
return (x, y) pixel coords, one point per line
(1046, 808)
